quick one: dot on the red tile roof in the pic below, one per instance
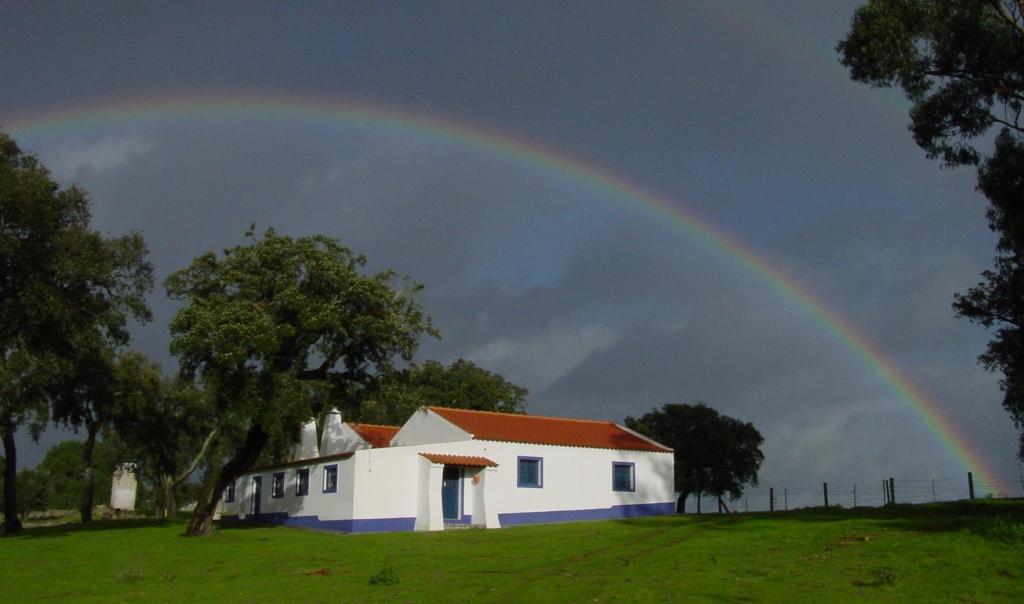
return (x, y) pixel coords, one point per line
(378, 436)
(460, 460)
(487, 425)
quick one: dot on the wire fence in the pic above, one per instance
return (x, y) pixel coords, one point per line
(865, 493)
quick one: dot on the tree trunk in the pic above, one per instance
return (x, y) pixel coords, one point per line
(201, 524)
(699, 494)
(681, 502)
(170, 506)
(89, 480)
(722, 506)
(12, 523)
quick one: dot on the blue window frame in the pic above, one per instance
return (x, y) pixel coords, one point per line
(531, 472)
(277, 486)
(331, 479)
(229, 493)
(302, 482)
(623, 476)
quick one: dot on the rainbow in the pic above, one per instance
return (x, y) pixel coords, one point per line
(542, 156)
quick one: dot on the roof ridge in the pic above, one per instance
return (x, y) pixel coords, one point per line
(372, 425)
(561, 419)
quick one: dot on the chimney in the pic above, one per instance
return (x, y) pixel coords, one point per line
(331, 441)
(306, 447)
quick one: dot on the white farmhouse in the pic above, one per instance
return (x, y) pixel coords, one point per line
(451, 467)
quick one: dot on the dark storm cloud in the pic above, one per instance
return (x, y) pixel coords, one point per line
(601, 307)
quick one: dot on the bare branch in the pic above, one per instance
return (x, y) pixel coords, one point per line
(199, 457)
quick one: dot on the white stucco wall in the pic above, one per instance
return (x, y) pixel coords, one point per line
(574, 478)
(337, 505)
(386, 483)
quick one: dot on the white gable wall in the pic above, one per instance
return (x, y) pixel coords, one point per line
(427, 427)
(350, 440)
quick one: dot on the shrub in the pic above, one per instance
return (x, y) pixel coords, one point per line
(387, 575)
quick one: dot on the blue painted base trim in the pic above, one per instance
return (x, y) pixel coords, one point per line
(616, 511)
(372, 525)
(381, 525)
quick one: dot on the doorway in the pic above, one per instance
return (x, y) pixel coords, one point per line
(257, 483)
(451, 493)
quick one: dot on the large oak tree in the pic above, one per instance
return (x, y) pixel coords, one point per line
(66, 295)
(268, 323)
(714, 454)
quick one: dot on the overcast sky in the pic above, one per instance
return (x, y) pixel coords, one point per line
(736, 111)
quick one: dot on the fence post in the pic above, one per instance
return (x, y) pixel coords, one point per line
(855, 494)
(746, 507)
(785, 500)
(933, 491)
(885, 492)
(824, 487)
(892, 491)
(771, 499)
(970, 484)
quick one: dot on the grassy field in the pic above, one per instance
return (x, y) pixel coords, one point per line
(947, 552)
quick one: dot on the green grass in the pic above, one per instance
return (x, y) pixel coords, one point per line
(948, 552)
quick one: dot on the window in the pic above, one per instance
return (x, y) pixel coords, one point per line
(531, 472)
(229, 493)
(277, 487)
(302, 482)
(622, 476)
(331, 479)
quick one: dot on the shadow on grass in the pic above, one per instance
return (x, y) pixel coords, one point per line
(1001, 519)
(64, 530)
(99, 525)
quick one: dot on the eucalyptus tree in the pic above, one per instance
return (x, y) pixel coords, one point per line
(961, 65)
(66, 295)
(267, 322)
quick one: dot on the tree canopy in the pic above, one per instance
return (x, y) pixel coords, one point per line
(961, 64)
(167, 423)
(462, 384)
(714, 454)
(66, 295)
(63, 470)
(268, 323)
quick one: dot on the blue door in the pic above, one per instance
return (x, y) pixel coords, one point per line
(451, 484)
(257, 482)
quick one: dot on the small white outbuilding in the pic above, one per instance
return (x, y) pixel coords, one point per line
(123, 487)
(453, 467)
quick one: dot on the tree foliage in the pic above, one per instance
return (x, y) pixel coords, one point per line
(714, 454)
(166, 422)
(272, 321)
(66, 295)
(961, 64)
(462, 385)
(63, 472)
